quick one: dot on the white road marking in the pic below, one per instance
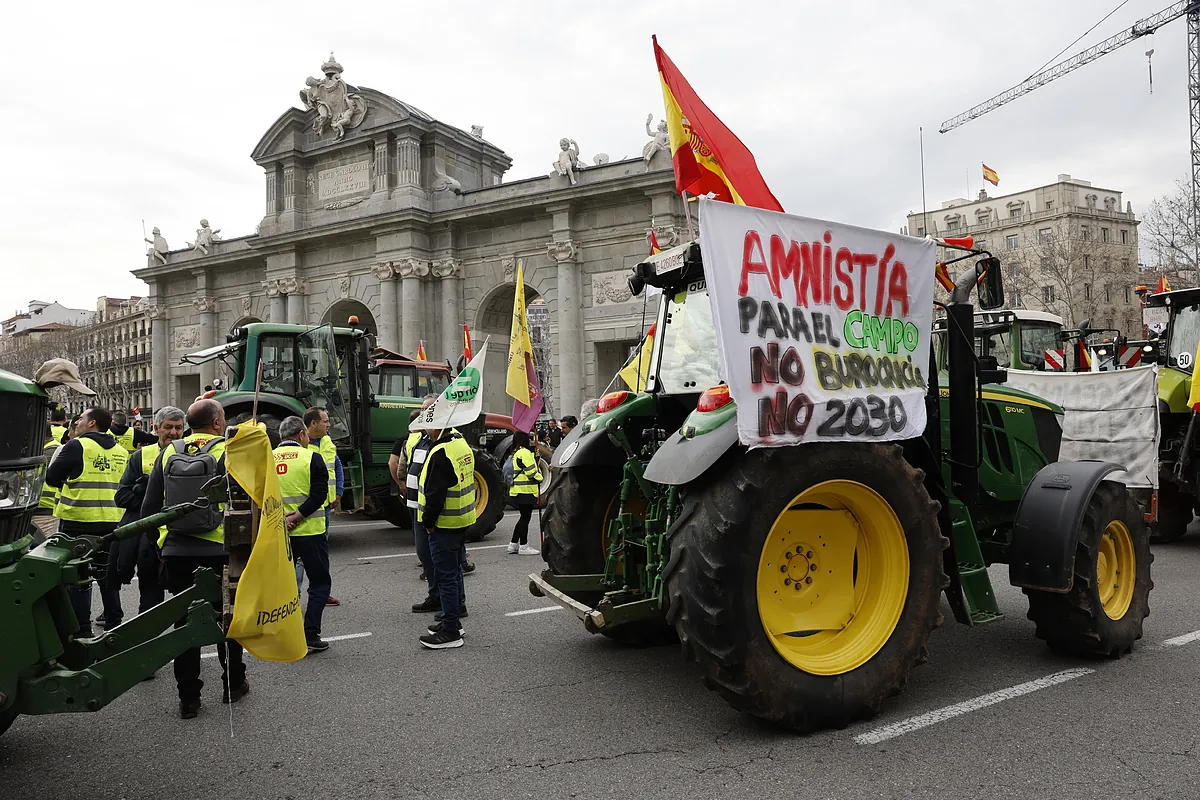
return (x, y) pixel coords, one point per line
(533, 611)
(343, 637)
(958, 709)
(470, 549)
(1177, 641)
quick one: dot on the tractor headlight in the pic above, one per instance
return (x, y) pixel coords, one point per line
(21, 488)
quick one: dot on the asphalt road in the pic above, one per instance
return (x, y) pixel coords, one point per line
(533, 706)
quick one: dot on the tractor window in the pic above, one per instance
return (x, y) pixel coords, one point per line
(997, 342)
(1184, 332)
(431, 382)
(278, 357)
(689, 359)
(396, 381)
(321, 379)
(1036, 339)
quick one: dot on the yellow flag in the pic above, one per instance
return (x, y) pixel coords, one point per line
(1194, 396)
(266, 612)
(637, 372)
(517, 384)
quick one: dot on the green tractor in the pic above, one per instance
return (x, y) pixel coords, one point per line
(804, 581)
(334, 368)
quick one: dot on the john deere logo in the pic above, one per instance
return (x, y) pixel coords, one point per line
(101, 463)
(465, 386)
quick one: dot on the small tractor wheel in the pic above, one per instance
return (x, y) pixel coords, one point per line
(805, 581)
(1174, 515)
(491, 495)
(579, 504)
(1102, 613)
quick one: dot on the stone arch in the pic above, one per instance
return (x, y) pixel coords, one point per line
(494, 318)
(340, 312)
(246, 320)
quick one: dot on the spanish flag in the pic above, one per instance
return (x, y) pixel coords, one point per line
(990, 175)
(421, 356)
(708, 158)
(467, 343)
(636, 373)
(654, 248)
(1163, 286)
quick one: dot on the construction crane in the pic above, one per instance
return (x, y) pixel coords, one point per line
(1142, 27)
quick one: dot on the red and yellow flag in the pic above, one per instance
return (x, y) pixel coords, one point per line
(636, 373)
(467, 343)
(708, 158)
(990, 175)
(1163, 286)
(654, 248)
(421, 352)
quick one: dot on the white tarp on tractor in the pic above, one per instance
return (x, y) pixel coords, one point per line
(1109, 416)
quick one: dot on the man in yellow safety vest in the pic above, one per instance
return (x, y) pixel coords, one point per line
(316, 423)
(128, 437)
(303, 481)
(446, 507)
(86, 471)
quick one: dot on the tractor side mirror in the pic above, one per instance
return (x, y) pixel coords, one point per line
(991, 286)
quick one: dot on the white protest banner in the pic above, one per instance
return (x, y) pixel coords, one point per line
(823, 328)
(460, 403)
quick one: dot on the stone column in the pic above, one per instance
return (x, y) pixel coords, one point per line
(295, 289)
(379, 170)
(450, 272)
(160, 356)
(277, 313)
(411, 270)
(389, 329)
(207, 306)
(408, 161)
(570, 327)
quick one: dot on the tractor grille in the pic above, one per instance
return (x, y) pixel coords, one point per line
(995, 439)
(25, 429)
(1049, 433)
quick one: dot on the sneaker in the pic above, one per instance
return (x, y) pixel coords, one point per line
(435, 628)
(189, 709)
(462, 612)
(421, 577)
(442, 640)
(527, 550)
(513, 547)
(238, 692)
(333, 601)
(100, 618)
(468, 567)
(316, 644)
(428, 604)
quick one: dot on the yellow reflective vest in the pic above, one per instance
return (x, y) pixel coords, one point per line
(149, 456)
(218, 450)
(526, 475)
(126, 440)
(459, 511)
(92, 497)
(57, 432)
(328, 451)
(49, 494)
(293, 466)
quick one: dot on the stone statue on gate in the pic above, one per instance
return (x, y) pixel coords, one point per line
(659, 140)
(158, 247)
(336, 107)
(206, 237)
(568, 162)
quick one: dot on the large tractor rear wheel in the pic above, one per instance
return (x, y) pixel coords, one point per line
(1102, 613)
(1175, 512)
(804, 581)
(490, 497)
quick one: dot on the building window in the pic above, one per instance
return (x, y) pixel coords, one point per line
(920, 231)
(1049, 205)
(1126, 295)
(1013, 213)
(1047, 294)
(1107, 293)
(952, 225)
(1045, 235)
(1124, 237)
(1087, 291)
(1085, 232)
(1011, 242)
(1087, 262)
(981, 244)
(1104, 234)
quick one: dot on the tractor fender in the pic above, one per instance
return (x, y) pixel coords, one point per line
(1045, 531)
(682, 458)
(586, 448)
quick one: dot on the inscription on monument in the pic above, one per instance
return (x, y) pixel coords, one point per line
(343, 180)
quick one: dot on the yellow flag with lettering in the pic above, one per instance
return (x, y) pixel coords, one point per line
(266, 611)
(517, 381)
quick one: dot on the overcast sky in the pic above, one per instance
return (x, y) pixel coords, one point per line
(119, 113)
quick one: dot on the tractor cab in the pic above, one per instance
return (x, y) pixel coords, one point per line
(1016, 339)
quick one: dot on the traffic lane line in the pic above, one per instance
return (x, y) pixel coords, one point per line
(533, 611)
(1179, 641)
(470, 549)
(967, 706)
(341, 638)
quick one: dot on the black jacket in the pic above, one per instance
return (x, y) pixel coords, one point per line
(132, 490)
(436, 479)
(140, 437)
(68, 465)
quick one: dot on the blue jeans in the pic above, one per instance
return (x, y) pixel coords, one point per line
(421, 540)
(314, 552)
(81, 603)
(446, 549)
(299, 565)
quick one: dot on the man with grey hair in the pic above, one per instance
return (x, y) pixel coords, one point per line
(142, 554)
(304, 484)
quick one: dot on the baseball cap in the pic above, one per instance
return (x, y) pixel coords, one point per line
(60, 372)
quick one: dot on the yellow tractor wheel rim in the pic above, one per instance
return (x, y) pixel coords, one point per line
(833, 577)
(1116, 569)
(481, 493)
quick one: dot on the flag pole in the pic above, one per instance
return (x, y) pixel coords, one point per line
(924, 211)
(687, 212)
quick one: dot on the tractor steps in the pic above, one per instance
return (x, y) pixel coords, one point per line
(980, 606)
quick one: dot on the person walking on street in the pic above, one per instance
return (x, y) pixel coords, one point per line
(129, 438)
(446, 507)
(407, 461)
(142, 554)
(527, 480)
(316, 422)
(304, 482)
(195, 541)
(86, 471)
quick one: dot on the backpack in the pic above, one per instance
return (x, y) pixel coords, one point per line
(184, 475)
(509, 470)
